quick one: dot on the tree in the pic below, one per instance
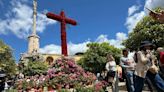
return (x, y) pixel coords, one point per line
(146, 29)
(7, 62)
(34, 68)
(94, 58)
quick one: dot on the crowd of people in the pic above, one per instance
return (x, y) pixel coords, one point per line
(20, 78)
(144, 65)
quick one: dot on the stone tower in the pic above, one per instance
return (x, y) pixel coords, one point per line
(33, 46)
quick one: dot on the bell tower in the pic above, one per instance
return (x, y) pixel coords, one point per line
(33, 45)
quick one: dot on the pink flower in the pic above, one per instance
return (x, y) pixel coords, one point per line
(60, 63)
(98, 86)
(62, 67)
(71, 63)
(67, 86)
(51, 72)
(85, 75)
(60, 73)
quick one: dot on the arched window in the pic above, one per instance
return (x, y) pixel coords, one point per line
(49, 60)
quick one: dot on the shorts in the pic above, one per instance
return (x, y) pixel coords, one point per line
(111, 74)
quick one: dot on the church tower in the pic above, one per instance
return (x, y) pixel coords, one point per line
(33, 45)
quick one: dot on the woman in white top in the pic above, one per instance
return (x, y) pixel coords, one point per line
(111, 68)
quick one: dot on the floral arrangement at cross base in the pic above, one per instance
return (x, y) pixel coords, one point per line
(65, 73)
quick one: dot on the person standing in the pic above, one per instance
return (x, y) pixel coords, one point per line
(160, 55)
(112, 72)
(142, 66)
(111, 68)
(145, 67)
(128, 65)
(153, 75)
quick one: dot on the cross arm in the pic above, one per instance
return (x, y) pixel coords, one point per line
(60, 18)
(54, 16)
(70, 21)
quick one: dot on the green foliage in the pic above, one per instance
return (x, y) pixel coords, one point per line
(7, 62)
(83, 89)
(11, 90)
(146, 29)
(64, 90)
(94, 59)
(34, 68)
(88, 89)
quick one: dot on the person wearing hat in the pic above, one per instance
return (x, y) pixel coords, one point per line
(143, 63)
(145, 67)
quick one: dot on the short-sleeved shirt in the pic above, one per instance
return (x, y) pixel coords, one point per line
(127, 63)
(111, 66)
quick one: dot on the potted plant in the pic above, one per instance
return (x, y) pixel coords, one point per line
(40, 88)
(24, 85)
(50, 86)
(58, 87)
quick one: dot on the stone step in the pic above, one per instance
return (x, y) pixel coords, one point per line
(122, 87)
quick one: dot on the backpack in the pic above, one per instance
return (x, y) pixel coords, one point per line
(135, 57)
(162, 57)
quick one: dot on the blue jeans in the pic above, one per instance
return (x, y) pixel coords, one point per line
(130, 81)
(138, 83)
(159, 82)
(161, 72)
(156, 80)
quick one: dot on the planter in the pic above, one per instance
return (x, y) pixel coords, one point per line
(20, 90)
(32, 90)
(50, 88)
(19, 87)
(58, 87)
(40, 89)
(28, 88)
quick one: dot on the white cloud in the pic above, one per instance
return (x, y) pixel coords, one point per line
(82, 47)
(154, 3)
(42, 22)
(19, 20)
(72, 48)
(132, 20)
(102, 38)
(120, 36)
(51, 49)
(133, 9)
(134, 17)
(2, 25)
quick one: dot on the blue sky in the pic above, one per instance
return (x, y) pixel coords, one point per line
(98, 21)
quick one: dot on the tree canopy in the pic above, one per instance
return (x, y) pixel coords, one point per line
(94, 58)
(7, 62)
(147, 29)
(34, 68)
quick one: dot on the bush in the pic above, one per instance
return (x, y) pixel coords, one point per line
(34, 68)
(82, 89)
(94, 59)
(7, 62)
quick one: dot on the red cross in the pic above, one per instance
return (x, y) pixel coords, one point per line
(63, 20)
